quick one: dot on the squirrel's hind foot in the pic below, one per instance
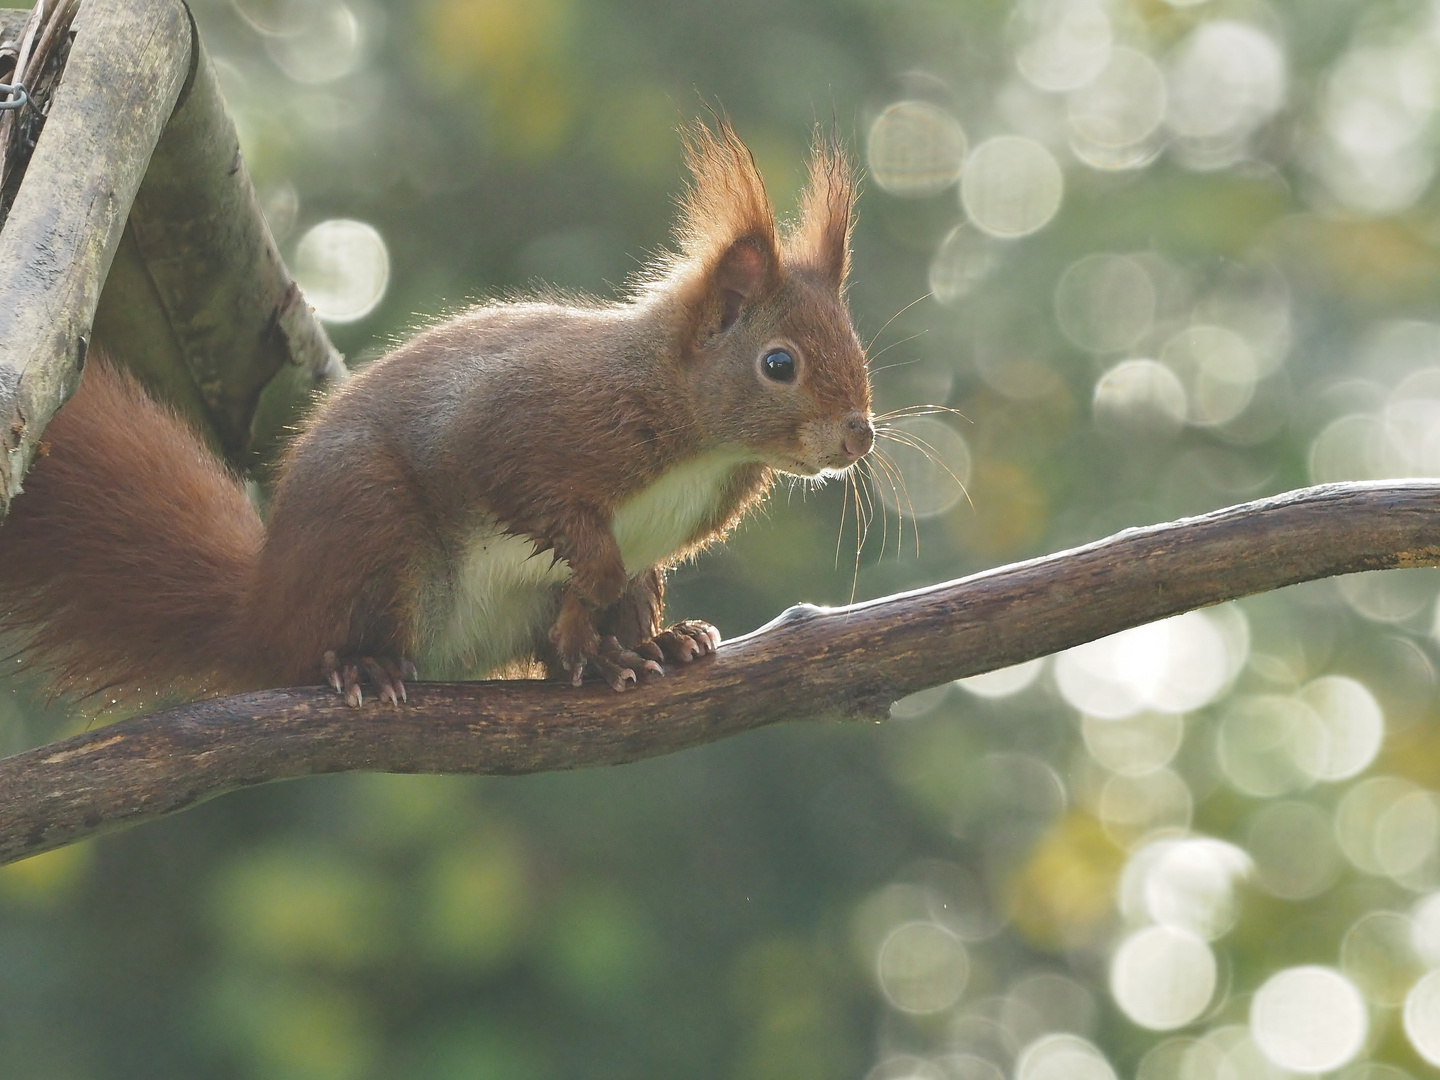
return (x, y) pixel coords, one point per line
(686, 641)
(680, 644)
(386, 674)
(580, 650)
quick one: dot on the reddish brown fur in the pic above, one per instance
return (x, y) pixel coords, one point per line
(726, 199)
(133, 557)
(821, 239)
(124, 563)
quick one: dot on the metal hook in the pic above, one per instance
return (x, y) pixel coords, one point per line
(20, 102)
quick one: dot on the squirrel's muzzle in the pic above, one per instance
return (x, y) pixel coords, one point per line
(859, 436)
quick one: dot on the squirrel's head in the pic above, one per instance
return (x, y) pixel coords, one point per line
(767, 340)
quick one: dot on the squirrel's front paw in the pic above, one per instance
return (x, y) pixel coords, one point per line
(387, 674)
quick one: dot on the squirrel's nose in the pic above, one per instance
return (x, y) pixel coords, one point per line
(859, 435)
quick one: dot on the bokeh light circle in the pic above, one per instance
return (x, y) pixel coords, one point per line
(1358, 818)
(1105, 303)
(1122, 105)
(932, 463)
(968, 1067)
(921, 703)
(1256, 740)
(922, 968)
(1133, 745)
(1140, 398)
(1005, 681)
(1378, 954)
(1309, 1019)
(1011, 186)
(1135, 807)
(915, 149)
(1218, 368)
(964, 259)
(1407, 834)
(343, 267)
(321, 41)
(1174, 665)
(1226, 79)
(1425, 932)
(1422, 1017)
(1188, 884)
(1062, 1057)
(1389, 596)
(1352, 723)
(1163, 978)
(1182, 1058)
(1063, 43)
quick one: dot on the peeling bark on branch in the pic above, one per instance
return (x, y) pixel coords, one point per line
(809, 664)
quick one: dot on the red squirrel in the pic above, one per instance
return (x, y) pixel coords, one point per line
(610, 439)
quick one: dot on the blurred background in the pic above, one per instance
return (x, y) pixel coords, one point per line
(1163, 257)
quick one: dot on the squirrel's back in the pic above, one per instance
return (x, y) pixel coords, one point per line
(126, 561)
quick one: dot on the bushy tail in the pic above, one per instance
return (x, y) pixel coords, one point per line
(125, 563)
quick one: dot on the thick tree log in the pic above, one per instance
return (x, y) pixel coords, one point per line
(195, 299)
(199, 303)
(809, 664)
(124, 74)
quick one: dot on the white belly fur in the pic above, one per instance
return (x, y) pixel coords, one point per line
(503, 599)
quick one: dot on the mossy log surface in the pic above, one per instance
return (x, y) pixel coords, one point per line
(809, 664)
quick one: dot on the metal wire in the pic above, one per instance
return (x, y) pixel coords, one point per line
(22, 97)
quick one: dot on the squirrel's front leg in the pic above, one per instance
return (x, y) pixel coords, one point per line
(611, 625)
(597, 581)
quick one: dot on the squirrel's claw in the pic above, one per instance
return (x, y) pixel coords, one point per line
(386, 674)
(619, 678)
(650, 651)
(637, 662)
(580, 650)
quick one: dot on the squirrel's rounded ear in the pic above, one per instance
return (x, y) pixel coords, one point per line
(743, 273)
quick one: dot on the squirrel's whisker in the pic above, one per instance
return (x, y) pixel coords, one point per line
(918, 300)
(907, 411)
(921, 446)
(894, 469)
(898, 364)
(893, 344)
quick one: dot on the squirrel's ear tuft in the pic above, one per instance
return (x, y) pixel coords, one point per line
(726, 230)
(821, 239)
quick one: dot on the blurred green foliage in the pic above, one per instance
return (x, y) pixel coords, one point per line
(1257, 179)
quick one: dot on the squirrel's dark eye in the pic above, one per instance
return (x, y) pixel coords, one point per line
(779, 365)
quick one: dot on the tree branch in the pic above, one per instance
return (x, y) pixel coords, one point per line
(809, 664)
